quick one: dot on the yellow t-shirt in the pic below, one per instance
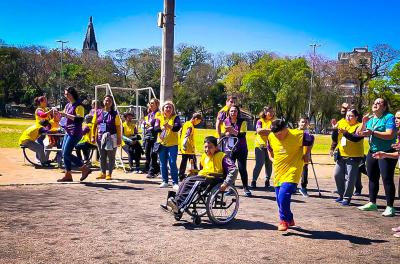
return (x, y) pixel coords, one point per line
(211, 164)
(288, 156)
(223, 109)
(30, 134)
(88, 136)
(261, 141)
(349, 148)
(129, 128)
(167, 137)
(190, 145)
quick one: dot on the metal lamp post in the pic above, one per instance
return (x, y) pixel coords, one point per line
(314, 46)
(61, 67)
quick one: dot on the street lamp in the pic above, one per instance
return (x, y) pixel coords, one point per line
(314, 46)
(61, 67)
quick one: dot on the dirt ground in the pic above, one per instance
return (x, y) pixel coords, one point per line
(120, 221)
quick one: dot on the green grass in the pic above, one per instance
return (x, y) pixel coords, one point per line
(9, 135)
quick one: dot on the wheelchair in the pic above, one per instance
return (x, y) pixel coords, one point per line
(220, 207)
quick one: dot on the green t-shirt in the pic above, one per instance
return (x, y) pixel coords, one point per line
(381, 124)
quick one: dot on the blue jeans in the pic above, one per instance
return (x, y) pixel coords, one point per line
(283, 196)
(68, 146)
(169, 155)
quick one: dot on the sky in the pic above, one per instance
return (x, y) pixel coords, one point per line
(286, 27)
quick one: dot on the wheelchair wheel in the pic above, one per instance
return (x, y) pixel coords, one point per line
(30, 156)
(193, 211)
(221, 208)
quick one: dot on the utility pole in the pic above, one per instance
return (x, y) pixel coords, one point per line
(166, 22)
(314, 46)
(61, 68)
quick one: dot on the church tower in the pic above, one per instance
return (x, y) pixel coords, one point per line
(89, 44)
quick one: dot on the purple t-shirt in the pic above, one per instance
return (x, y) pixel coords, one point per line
(241, 146)
(72, 127)
(109, 119)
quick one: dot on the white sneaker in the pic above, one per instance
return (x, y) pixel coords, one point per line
(175, 187)
(171, 203)
(163, 185)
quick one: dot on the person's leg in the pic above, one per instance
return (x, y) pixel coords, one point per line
(187, 190)
(242, 165)
(103, 159)
(68, 156)
(387, 167)
(260, 160)
(194, 158)
(86, 151)
(352, 171)
(40, 140)
(183, 165)
(339, 175)
(285, 193)
(128, 151)
(137, 154)
(304, 177)
(68, 146)
(268, 168)
(358, 183)
(163, 153)
(172, 157)
(373, 176)
(154, 166)
(79, 149)
(147, 153)
(38, 149)
(111, 160)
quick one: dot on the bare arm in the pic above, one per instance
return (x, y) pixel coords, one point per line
(387, 135)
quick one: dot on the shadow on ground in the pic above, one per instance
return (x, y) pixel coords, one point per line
(332, 235)
(237, 224)
(110, 186)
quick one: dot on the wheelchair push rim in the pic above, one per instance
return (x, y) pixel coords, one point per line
(221, 208)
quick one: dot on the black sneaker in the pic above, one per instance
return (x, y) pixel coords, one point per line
(357, 193)
(253, 184)
(247, 192)
(150, 176)
(267, 185)
(303, 192)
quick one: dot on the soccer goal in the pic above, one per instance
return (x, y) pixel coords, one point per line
(139, 111)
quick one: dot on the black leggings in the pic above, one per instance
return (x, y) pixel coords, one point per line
(241, 158)
(376, 168)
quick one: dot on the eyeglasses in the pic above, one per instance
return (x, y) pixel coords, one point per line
(377, 103)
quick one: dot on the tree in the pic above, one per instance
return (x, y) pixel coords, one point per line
(280, 82)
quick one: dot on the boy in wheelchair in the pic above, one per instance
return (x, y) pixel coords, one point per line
(215, 167)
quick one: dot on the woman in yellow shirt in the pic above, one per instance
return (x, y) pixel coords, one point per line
(167, 125)
(351, 152)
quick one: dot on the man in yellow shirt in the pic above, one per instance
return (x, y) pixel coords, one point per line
(286, 147)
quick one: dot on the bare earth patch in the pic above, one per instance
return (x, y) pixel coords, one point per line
(120, 221)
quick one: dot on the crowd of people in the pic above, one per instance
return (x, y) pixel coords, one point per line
(282, 150)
